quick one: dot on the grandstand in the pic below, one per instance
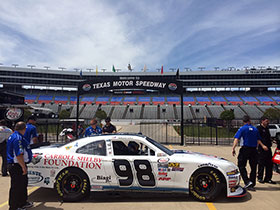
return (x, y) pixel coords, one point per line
(252, 93)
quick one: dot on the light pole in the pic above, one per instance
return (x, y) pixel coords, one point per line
(62, 68)
(15, 65)
(46, 67)
(31, 66)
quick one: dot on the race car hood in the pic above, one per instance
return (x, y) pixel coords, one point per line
(204, 160)
(195, 154)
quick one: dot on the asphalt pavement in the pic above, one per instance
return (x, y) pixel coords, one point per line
(265, 197)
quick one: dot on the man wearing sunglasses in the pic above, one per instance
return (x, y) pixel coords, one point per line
(93, 129)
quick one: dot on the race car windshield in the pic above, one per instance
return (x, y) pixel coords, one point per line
(160, 146)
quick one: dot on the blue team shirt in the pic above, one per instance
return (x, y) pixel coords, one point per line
(248, 136)
(30, 132)
(91, 132)
(17, 145)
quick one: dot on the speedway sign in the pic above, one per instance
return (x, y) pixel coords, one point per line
(130, 83)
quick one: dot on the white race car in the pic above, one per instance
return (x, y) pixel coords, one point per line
(130, 162)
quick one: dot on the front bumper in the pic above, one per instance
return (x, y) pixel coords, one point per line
(237, 191)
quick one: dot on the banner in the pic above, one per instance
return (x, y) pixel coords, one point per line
(130, 83)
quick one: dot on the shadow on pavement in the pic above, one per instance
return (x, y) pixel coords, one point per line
(42, 206)
(45, 195)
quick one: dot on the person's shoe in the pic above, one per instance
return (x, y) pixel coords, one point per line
(28, 205)
(249, 184)
(261, 181)
(21, 209)
(270, 182)
(251, 188)
(4, 174)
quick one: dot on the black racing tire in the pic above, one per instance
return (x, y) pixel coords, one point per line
(206, 184)
(72, 184)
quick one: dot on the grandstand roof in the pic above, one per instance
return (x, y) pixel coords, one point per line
(210, 79)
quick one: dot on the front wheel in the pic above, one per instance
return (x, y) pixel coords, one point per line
(72, 184)
(206, 184)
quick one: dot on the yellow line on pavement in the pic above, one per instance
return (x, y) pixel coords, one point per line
(211, 206)
(3, 204)
(29, 191)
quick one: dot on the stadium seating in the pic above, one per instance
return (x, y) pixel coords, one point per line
(188, 100)
(150, 112)
(234, 100)
(87, 100)
(266, 100)
(253, 111)
(118, 112)
(203, 100)
(216, 111)
(116, 100)
(89, 111)
(238, 113)
(144, 100)
(218, 100)
(30, 99)
(73, 100)
(187, 112)
(201, 112)
(252, 103)
(129, 100)
(250, 100)
(173, 100)
(102, 100)
(158, 100)
(60, 99)
(276, 98)
(45, 99)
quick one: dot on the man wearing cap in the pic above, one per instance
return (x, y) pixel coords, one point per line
(18, 155)
(108, 127)
(31, 131)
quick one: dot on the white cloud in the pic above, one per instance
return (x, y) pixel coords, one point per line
(86, 33)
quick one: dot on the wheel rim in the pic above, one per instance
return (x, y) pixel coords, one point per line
(204, 183)
(72, 184)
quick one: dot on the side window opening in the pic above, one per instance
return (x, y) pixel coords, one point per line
(93, 148)
(131, 148)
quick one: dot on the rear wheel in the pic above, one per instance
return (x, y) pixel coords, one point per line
(72, 184)
(206, 184)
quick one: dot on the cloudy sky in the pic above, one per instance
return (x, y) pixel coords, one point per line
(175, 34)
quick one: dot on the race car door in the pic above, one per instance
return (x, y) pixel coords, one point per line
(94, 159)
(136, 168)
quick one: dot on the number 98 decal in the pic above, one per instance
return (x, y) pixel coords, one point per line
(143, 170)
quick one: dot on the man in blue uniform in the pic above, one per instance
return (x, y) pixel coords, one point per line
(93, 129)
(249, 138)
(31, 132)
(18, 155)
